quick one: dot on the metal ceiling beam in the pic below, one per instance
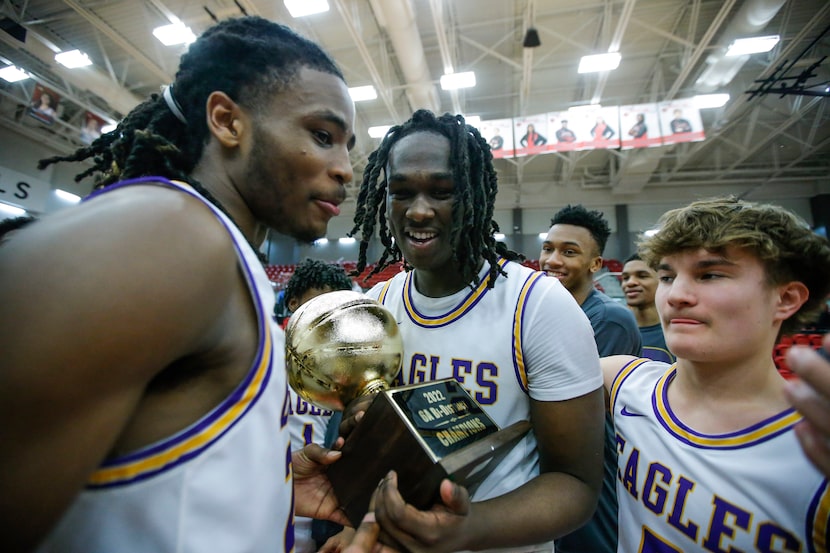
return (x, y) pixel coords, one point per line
(113, 35)
(616, 42)
(701, 48)
(735, 109)
(377, 81)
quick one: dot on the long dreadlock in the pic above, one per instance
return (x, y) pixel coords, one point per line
(475, 185)
(248, 58)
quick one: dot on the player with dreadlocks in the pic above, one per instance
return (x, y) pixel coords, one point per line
(142, 392)
(514, 338)
(472, 166)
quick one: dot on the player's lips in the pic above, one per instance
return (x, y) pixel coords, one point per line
(555, 274)
(684, 321)
(420, 238)
(329, 205)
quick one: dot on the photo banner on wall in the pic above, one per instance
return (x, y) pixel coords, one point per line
(640, 125)
(44, 104)
(596, 127)
(91, 128)
(680, 122)
(499, 135)
(531, 134)
(564, 138)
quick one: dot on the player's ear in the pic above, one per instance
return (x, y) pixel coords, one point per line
(225, 119)
(791, 296)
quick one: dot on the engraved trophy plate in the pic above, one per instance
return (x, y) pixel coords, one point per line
(343, 345)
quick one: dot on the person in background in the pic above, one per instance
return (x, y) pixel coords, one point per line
(572, 253)
(308, 423)
(517, 341)
(143, 393)
(704, 444)
(639, 284)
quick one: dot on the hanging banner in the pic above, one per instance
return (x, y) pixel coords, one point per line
(91, 128)
(44, 104)
(531, 133)
(596, 127)
(680, 122)
(565, 138)
(640, 124)
(499, 135)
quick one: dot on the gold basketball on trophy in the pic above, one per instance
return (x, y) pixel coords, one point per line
(339, 346)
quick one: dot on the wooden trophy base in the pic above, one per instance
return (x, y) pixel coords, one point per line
(425, 432)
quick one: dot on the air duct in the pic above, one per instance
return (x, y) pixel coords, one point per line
(398, 19)
(751, 18)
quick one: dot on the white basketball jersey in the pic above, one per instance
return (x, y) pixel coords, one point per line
(223, 484)
(307, 424)
(680, 490)
(526, 337)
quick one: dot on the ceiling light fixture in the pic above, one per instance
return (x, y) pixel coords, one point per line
(73, 59)
(173, 34)
(451, 81)
(752, 45)
(12, 74)
(301, 8)
(347, 240)
(363, 93)
(379, 131)
(12, 210)
(67, 196)
(705, 101)
(599, 62)
(531, 38)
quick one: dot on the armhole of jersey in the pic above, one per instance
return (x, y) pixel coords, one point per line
(518, 328)
(624, 373)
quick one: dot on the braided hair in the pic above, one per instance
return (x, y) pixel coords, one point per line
(248, 58)
(475, 187)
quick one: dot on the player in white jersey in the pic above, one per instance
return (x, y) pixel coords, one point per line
(142, 391)
(707, 452)
(513, 337)
(308, 423)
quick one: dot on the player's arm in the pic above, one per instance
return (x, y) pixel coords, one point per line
(96, 301)
(611, 367)
(559, 500)
(568, 421)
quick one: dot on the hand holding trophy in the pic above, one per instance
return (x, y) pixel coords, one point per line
(343, 345)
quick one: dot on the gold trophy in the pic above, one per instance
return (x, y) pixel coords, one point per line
(343, 345)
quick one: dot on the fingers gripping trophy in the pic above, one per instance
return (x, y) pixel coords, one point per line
(341, 346)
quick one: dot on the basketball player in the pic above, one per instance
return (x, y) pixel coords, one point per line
(308, 423)
(639, 284)
(572, 253)
(708, 454)
(143, 402)
(516, 340)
